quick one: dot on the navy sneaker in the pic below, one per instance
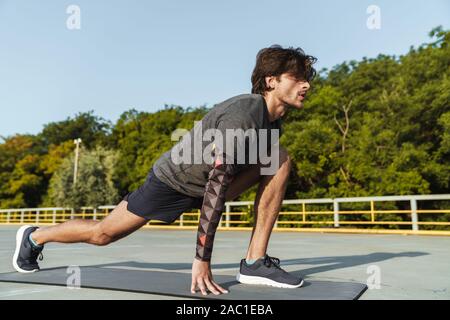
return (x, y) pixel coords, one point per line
(25, 257)
(267, 271)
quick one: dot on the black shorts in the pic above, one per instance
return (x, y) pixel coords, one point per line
(155, 200)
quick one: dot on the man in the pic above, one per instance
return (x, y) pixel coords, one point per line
(280, 81)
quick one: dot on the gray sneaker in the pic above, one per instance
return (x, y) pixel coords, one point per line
(267, 271)
(26, 256)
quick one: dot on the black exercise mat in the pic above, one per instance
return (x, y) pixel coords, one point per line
(178, 284)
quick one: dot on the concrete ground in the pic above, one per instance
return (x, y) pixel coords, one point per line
(409, 267)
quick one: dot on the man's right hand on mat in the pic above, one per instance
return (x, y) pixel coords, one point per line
(202, 278)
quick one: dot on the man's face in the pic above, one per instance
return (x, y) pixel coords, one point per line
(290, 91)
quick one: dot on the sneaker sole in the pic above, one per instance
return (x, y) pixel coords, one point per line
(265, 281)
(19, 237)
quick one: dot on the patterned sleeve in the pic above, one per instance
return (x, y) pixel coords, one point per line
(219, 179)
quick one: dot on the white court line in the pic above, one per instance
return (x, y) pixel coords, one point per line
(19, 292)
(68, 248)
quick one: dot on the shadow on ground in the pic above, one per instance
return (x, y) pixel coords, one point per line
(326, 263)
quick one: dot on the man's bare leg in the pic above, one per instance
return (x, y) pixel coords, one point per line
(268, 201)
(118, 224)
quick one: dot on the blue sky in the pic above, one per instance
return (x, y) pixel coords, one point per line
(144, 54)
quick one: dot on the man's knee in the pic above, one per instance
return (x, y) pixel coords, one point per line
(99, 237)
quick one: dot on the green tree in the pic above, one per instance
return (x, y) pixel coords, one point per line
(20, 179)
(91, 129)
(94, 185)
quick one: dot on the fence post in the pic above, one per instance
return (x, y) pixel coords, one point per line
(414, 218)
(8, 217)
(54, 216)
(336, 213)
(181, 220)
(227, 215)
(304, 211)
(72, 212)
(95, 214)
(372, 211)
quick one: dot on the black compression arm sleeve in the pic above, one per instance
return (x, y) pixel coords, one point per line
(213, 203)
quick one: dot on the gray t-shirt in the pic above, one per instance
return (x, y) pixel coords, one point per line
(246, 112)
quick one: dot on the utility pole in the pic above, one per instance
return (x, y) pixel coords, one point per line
(77, 151)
